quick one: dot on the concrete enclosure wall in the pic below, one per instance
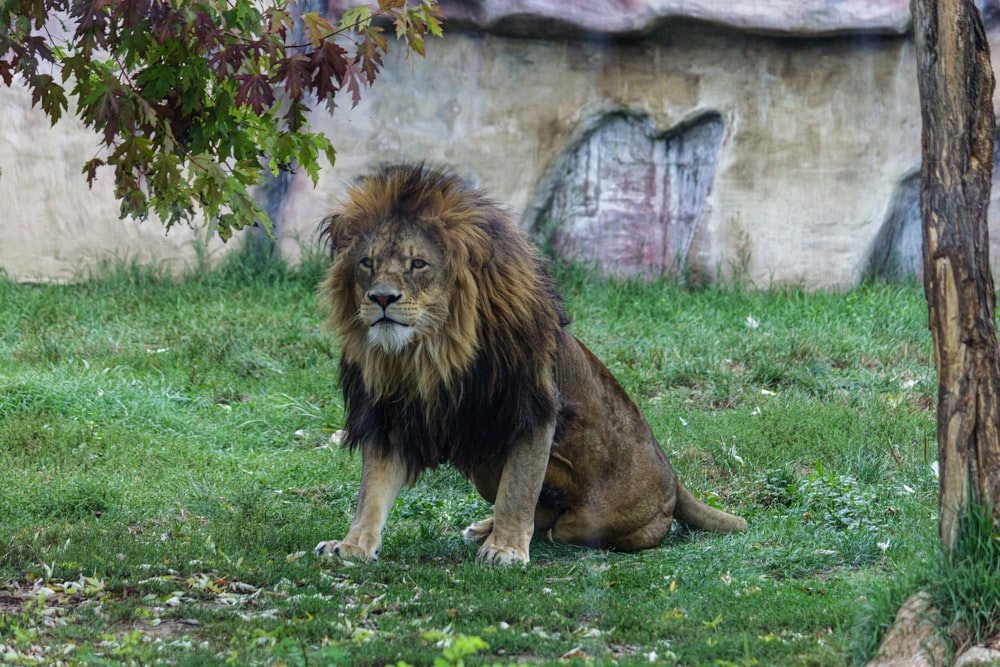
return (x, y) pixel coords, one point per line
(768, 145)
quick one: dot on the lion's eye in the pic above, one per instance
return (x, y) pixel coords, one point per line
(367, 263)
(417, 264)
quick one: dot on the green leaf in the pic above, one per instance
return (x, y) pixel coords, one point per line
(431, 15)
(49, 95)
(358, 19)
(157, 80)
(317, 28)
(183, 93)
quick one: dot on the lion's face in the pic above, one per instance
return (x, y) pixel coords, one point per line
(400, 287)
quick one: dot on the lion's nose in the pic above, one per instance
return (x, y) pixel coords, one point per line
(384, 298)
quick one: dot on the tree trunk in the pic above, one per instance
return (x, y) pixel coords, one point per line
(956, 90)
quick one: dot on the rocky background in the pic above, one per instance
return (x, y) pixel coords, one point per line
(767, 142)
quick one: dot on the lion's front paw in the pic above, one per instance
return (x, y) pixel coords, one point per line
(495, 554)
(476, 533)
(344, 551)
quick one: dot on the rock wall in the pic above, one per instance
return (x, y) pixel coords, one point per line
(52, 226)
(816, 136)
(773, 144)
(629, 200)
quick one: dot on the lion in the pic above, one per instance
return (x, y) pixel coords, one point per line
(455, 349)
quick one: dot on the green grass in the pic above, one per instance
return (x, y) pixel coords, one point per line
(166, 466)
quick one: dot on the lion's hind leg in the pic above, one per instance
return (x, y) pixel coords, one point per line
(587, 530)
(476, 533)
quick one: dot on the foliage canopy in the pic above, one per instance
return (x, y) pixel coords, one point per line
(196, 100)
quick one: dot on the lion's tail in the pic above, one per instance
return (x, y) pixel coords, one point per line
(694, 513)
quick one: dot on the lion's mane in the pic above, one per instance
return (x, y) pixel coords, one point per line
(485, 377)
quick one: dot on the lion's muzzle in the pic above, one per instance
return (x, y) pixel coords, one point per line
(388, 317)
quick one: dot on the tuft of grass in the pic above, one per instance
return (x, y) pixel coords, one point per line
(967, 589)
(168, 460)
(963, 586)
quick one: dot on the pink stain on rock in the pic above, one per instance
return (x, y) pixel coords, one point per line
(629, 200)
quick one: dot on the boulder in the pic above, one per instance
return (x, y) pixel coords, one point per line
(620, 17)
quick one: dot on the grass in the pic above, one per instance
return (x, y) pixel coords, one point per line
(166, 465)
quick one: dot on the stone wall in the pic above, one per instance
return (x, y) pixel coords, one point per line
(52, 226)
(775, 145)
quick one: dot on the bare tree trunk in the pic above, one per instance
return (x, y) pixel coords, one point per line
(956, 88)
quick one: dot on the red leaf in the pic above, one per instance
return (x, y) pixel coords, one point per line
(329, 65)
(164, 22)
(90, 18)
(230, 59)
(254, 91)
(90, 169)
(38, 47)
(50, 94)
(354, 80)
(132, 11)
(294, 72)
(103, 112)
(267, 49)
(206, 31)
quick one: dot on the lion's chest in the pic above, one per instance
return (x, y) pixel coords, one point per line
(480, 417)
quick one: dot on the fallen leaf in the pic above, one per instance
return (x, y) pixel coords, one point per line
(574, 653)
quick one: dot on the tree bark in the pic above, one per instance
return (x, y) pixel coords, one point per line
(956, 89)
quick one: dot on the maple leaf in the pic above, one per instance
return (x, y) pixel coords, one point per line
(103, 112)
(164, 22)
(38, 47)
(254, 91)
(358, 18)
(432, 18)
(317, 28)
(91, 20)
(354, 80)
(157, 81)
(51, 96)
(90, 169)
(296, 115)
(267, 49)
(294, 72)
(132, 11)
(208, 34)
(279, 22)
(230, 59)
(371, 52)
(329, 65)
(417, 45)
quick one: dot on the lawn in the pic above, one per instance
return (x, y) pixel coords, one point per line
(169, 457)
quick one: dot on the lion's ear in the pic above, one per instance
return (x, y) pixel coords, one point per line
(335, 232)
